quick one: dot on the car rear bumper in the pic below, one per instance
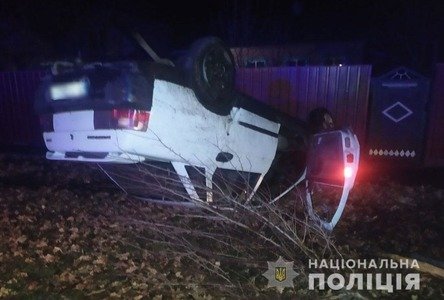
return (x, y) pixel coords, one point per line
(87, 141)
(107, 157)
(95, 145)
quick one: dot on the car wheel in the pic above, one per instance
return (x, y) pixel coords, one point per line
(210, 70)
(320, 120)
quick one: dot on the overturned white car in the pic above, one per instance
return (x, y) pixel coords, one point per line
(185, 116)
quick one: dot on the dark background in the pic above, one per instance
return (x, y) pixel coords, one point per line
(395, 33)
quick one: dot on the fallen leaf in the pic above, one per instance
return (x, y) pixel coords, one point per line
(67, 276)
(131, 269)
(101, 260)
(48, 258)
(41, 244)
(22, 239)
(123, 256)
(18, 253)
(32, 286)
(84, 258)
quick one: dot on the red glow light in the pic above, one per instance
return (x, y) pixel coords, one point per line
(348, 172)
(131, 119)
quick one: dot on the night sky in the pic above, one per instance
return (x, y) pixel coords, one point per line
(398, 32)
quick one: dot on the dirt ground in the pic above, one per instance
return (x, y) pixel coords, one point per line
(67, 232)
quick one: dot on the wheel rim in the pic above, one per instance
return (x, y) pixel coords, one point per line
(216, 71)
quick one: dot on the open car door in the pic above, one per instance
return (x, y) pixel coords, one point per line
(333, 160)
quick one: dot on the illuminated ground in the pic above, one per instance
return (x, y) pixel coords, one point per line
(66, 230)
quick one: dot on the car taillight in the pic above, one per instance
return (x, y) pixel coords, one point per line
(46, 123)
(122, 118)
(348, 172)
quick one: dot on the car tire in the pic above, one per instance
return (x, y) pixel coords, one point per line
(210, 71)
(320, 120)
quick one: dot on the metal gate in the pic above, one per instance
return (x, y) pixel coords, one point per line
(398, 116)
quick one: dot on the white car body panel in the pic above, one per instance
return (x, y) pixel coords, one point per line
(180, 129)
(74, 120)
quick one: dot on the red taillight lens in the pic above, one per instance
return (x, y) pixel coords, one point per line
(46, 123)
(122, 119)
(131, 119)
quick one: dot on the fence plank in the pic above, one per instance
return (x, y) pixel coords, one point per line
(434, 155)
